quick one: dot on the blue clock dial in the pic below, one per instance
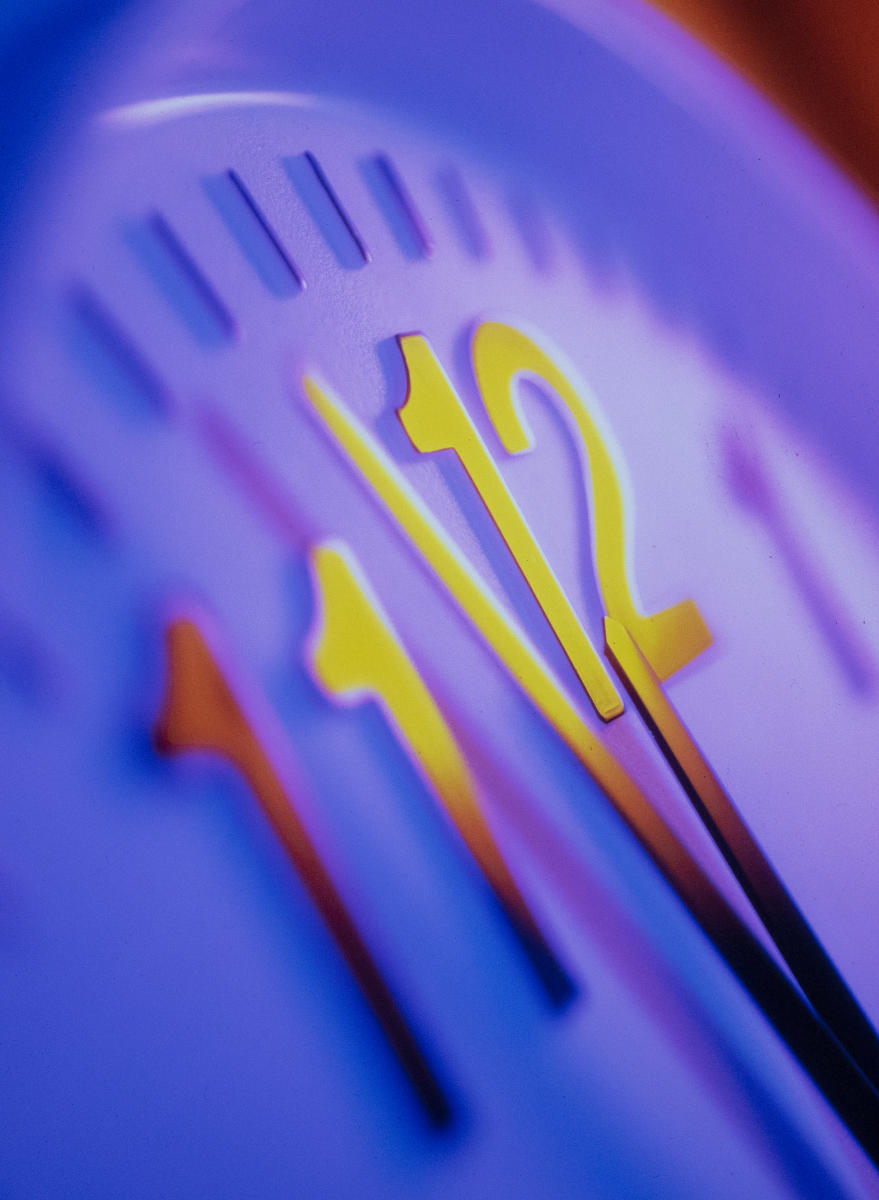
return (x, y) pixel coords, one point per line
(439, 664)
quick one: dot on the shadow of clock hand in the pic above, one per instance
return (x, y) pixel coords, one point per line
(756, 491)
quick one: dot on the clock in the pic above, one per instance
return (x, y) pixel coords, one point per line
(438, 632)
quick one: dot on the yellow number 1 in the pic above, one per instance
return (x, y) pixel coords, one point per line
(435, 419)
(357, 655)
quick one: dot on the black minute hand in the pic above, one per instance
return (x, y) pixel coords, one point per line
(798, 945)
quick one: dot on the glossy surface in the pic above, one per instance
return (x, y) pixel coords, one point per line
(191, 424)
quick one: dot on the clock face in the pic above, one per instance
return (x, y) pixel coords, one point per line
(434, 462)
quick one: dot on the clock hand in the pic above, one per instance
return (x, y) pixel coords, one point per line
(435, 418)
(502, 634)
(799, 947)
(821, 1055)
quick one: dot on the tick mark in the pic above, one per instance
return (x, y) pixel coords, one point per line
(182, 282)
(754, 487)
(108, 352)
(251, 229)
(462, 212)
(65, 503)
(394, 201)
(326, 210)
(532, 229)
(240, 462)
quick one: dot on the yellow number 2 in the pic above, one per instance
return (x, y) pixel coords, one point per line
(668, 639)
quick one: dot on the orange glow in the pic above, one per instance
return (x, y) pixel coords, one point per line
(201, 711)
(815, 59)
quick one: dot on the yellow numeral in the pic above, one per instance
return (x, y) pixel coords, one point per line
(668, 639)
(357, 655)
